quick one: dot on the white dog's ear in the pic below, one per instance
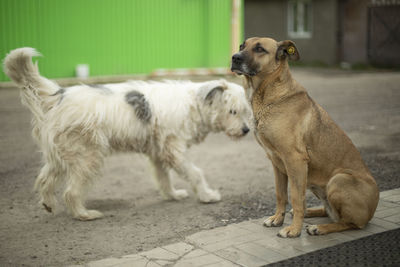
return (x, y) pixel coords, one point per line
(211, 91)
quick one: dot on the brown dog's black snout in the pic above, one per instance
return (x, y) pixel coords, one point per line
(245, 129)
(237, 58)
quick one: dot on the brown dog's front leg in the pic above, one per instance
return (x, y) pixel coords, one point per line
(297, 173)
(281, 183)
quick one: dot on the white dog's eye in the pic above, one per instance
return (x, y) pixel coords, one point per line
(233, 112)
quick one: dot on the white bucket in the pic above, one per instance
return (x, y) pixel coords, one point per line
(82, 71)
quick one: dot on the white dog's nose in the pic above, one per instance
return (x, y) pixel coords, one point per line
(245, 129)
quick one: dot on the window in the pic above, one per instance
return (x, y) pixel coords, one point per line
(300, 18)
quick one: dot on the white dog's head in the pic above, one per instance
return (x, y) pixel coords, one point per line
(227, 107)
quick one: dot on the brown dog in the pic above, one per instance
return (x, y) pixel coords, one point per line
(304, 144)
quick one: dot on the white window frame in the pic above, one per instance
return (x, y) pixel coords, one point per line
(300, 33)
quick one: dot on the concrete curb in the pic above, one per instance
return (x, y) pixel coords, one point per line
(249, 243)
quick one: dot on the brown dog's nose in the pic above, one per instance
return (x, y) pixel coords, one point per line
(237, 58)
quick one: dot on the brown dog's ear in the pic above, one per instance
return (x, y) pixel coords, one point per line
(287, 49)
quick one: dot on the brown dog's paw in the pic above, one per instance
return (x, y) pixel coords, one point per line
(313, 230)
(275, 220)
(289, 231)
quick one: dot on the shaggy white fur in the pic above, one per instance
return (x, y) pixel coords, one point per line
(76, 127)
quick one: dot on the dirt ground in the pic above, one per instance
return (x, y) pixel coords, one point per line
(365, 105)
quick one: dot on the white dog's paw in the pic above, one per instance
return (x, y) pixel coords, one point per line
(179, 194)
(312, 229)
(209, 196)
(89, 215)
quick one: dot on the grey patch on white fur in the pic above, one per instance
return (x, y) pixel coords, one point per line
(140, 104)
(102, 88)
(61, 92)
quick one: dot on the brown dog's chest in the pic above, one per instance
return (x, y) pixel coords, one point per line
(270, 150)
(264, 143)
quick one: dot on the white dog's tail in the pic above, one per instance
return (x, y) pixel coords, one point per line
(35, 89)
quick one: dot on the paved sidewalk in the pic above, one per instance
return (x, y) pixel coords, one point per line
(251, 244)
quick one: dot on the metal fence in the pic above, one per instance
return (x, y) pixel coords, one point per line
(119, 36)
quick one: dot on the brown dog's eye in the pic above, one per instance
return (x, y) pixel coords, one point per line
(259, 49)
(241, 47)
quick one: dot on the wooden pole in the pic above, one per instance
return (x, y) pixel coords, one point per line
(235, 26)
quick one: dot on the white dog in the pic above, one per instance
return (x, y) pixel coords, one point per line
(77, 127)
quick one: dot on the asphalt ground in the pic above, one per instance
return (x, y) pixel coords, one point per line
(366, 105)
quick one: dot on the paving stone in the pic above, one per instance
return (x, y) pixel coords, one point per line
(223, 263)
(133, 256)
(254, 227)
(261, 252)
(292, 246)
(387, 193)
(233, 241)
(107, 262)
(150, 264)
(373, 228)
(164, 263)
(394, 218)
(387, 212)
(195, 253)
(217, 235)
(341, 236)
(240, 257)
(259, 221)
(393, 198)
(179, 249)
(159, 254)
(285, 250)
(384, 224)
(137, 263)
(386, 204)
(198, 261)
(319, 245)
(357, 233)
(305, 239)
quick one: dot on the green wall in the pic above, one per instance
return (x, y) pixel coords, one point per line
(118, 36)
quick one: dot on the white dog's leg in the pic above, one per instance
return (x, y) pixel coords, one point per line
(74, 197)
(81, 173)
(164, 183)
(195, 176)
(45, 185)
(173, 156)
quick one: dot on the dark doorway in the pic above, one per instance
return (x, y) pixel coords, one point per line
(384, 35)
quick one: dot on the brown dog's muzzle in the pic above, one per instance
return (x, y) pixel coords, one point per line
(239, 65)
(237, 61)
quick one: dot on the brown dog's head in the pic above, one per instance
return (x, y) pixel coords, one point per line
(262, 55)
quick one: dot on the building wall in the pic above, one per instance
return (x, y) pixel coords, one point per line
(119, 36)
(354, 31)
(269, 18)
